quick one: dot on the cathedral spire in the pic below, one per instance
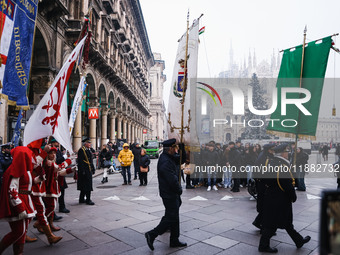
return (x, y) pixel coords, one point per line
(250, 66)
(231, 56)
(254, 60)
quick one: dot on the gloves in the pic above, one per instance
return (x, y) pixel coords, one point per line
(22, 215)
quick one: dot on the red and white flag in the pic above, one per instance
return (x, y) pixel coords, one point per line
(51, 117)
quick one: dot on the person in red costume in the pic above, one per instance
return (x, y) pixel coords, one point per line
(15, 200)
(39, 190)
(52, 171)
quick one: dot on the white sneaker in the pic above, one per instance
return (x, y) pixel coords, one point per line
(214, 187)
(209, 188)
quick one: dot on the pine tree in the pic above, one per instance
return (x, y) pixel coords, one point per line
(259, 103)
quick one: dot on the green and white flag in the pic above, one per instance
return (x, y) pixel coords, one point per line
(314, 69)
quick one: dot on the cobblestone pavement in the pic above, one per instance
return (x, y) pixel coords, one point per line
(215, 222)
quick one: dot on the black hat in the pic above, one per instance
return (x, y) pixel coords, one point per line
(86, 140)
(231, 143)
(268, 146)
(6, 146)
(169, 143)
(282, 148)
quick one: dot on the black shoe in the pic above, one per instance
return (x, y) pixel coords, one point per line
(140, 184)
(235, 190)
(81, 201)
(89, 202)
(145, 184)
(124, 183)
(256, 224)
(304, 240)
(129, 183)
(106, 179)
(149, 241)
(56, 217)
(189, 187)
(177, 244)
(268, 249)
(135, 178)
(64, 210)
(103, 181)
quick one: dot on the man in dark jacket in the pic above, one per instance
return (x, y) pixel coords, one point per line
(278, 198)
(5, 159)
(85, 171)
(234, 162)
(170, 191)
(136, 153)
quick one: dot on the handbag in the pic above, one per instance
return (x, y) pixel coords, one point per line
(144, 169)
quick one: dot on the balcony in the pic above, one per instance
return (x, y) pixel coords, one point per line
(116, 20)
(108, 5)
(73, 29)
(53, 10)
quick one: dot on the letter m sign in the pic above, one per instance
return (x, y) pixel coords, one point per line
(93, 113)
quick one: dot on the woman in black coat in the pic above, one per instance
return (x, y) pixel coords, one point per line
(301, 161)
(144, 162)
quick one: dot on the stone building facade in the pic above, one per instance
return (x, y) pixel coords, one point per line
(328, 130)
(117, 74)
(157, 107)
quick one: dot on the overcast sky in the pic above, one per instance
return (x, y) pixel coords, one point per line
(263, 25)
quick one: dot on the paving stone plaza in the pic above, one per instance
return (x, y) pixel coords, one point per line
(215, 222)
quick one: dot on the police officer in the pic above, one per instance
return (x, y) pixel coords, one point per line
(170, 191)
(5, 159)
(262, 161)
(278, 198)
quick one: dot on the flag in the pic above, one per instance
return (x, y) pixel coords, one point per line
(76, 103)
(51, 117)
(314, 68)
(177, 84)
(201, 31)
(16, 135)
(17, 30)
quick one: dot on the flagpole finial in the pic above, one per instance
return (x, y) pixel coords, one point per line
(188, 13)
(305, 30)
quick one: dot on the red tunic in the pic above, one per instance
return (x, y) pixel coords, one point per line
(17, 183)
(39, 155)
(51, 182)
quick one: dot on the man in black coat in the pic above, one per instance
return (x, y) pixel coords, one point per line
(278, 198)
(262, 161)
(136, 157)
(85, 171)
(5, 159)
(170, 191)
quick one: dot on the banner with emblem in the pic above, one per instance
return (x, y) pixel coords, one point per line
(177, 83)
(51, 117)
(17, 23)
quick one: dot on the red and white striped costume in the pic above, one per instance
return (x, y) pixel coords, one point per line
(15, 200)
(52, 170)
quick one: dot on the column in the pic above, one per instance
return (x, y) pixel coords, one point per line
(92, 137)
(105, 111)
(129, 132)
(119, 131)
(113, 127)
(133, 132)
(124, 129)
(3, 117)
(77, 134)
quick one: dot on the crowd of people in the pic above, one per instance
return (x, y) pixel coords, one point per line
(33, 181)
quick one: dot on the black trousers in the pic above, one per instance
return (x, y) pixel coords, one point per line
(170, 220)
(61, 199)
(84, 194)
(143, 178)
(267, 233)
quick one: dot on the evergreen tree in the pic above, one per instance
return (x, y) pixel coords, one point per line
(259, 103)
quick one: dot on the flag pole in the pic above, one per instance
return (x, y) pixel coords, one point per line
(301, 72)
(183, 97)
